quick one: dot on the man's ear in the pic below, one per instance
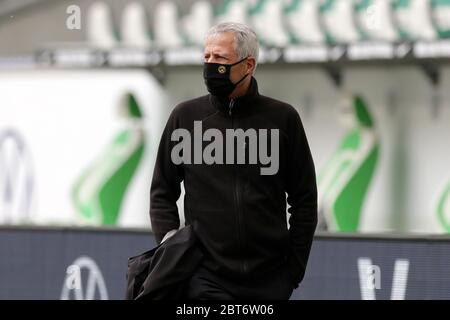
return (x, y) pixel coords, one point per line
(251, 63)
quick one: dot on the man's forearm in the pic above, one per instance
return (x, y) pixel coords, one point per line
(303, 223)
(165, 188)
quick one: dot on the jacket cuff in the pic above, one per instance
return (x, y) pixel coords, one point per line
(296, 269)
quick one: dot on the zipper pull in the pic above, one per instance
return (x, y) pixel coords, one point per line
(230, 106)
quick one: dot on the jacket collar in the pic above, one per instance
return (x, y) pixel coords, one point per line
(241, 105)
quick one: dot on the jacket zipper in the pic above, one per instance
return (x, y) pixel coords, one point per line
(237, 199)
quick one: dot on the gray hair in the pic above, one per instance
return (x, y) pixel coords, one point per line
(245, 39)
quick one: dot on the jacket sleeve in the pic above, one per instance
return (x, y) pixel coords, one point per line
(165, 187)
(301, 197)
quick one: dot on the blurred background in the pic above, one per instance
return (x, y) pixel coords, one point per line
(86, 88)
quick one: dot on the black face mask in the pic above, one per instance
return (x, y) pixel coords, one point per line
(217, 78)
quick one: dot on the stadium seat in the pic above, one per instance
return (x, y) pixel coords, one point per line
(441, 17)
(197, 23)
(303, 21)
(414, 20)
(265, 13)
(166, 26)
(135, 26)
(100, 27)
(232, 11)
(375, 20)
(339, 21)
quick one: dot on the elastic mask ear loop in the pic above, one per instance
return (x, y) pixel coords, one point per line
(242, 79)
(235, 85)
(238, 62)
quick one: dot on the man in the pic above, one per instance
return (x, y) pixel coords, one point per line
(235, 192)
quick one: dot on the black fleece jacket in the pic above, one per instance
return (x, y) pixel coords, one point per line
(238, 214)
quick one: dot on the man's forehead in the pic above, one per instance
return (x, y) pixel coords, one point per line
(223, 42)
